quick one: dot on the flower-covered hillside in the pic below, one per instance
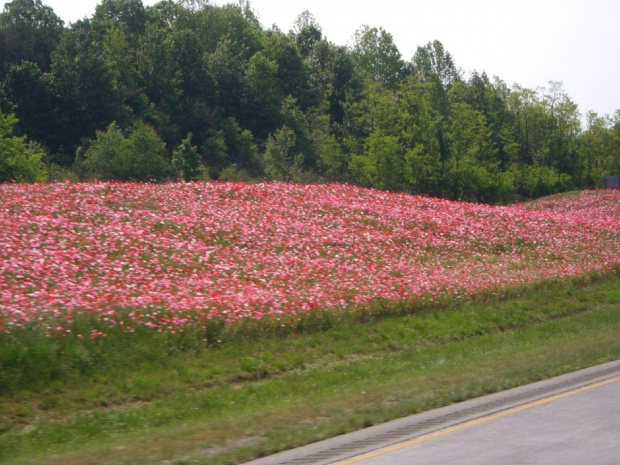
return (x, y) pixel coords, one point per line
(172, 255)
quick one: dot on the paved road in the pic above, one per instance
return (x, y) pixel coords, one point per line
(573, 419)
(578, 428)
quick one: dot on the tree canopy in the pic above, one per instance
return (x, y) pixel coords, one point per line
(211, 93)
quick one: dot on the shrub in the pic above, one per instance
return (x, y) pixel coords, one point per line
(139, 157)
(186, 160)
(19, 161)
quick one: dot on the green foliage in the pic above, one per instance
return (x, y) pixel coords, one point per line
(303, 126)
(382, 165)
(104, 154)
(241, 149)
(186, 160)
(377, 57)
(214, 150)
(57, 173)
(263, 100)
(85, 83)
(291, 106)
(29, 31)
(19, 161)
(598, 150)
(34, 103)
(145, 155)
(126, 15)
(235, 173)
(307, 33)
(139, 157)
(280, 161)
(227, 66)
(539, 181)
(432, 60)
(333, 161)
(292, 75)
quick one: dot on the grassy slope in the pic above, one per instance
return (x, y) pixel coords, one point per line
(151, 398)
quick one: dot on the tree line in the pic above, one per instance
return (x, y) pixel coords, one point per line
(189, 90)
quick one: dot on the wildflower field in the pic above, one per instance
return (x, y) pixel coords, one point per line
(178, 255)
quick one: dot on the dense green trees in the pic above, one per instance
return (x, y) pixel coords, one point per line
(189, 90)
(186, 160)
(29, 31)
(140, 156)
(19, 161)
(377, 58)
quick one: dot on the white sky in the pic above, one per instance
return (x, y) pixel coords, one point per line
(528, 42)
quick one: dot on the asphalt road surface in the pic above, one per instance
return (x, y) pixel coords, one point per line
(576, 428)
(573, 419)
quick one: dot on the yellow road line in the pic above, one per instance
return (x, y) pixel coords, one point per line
(469, 424)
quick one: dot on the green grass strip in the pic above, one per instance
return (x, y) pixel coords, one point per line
(152, 398)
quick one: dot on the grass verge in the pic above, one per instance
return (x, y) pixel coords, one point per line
(155, 398)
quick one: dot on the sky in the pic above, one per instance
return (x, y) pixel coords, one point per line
(527, 42)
